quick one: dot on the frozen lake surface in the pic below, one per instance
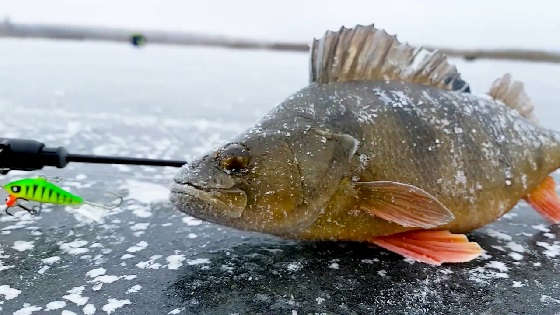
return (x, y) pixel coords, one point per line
(146, 257)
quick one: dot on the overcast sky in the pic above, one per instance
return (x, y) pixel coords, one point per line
(454, 23)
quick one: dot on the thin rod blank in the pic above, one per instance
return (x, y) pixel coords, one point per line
(141, 37)
(85, 158)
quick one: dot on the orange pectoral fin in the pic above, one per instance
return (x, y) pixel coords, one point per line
(403, 204)
(431, 247)
(545, 200)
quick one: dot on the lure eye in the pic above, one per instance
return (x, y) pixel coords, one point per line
(234, 158)
(16, 189)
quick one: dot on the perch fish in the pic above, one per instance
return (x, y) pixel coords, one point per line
(386, 145)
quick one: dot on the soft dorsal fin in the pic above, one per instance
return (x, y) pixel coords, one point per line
(512, 93)
(366, 53)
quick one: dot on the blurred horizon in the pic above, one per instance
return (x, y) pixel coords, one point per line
(240, 86)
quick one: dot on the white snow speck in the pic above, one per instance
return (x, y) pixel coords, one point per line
(517, 284)
(96, 272)
(334, 265)
(382, 272)
(150, 264)
(21, 246)
(515, 247)
(139, 226)
(87, 213)
(540, 227)
(552, 250)
(43, 270)
(100, 280)
(113, 304)
(134, 289)
(498, 265)
(89, 309)
(499, 235)
(548, 299)
(8, 292)
(176, 311)
(50, 260)
(175, 261)
(55, 305)
(75, 296)
(516, 256)
(74, 247)
(140, 211)
(294, 266)
(146, 192)
(198, 261)
(191, 221)
(138, 247)
(27, 309)
(67, 312)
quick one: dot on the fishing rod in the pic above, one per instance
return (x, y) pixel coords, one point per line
(30, 155)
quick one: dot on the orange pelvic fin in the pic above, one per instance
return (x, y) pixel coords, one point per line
(431, 247)
(545, 200)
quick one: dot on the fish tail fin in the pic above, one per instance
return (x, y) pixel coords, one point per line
(545, 200)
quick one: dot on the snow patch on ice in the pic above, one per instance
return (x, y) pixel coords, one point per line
(75, 296)
(138, 247)
(8, 292)
(114, 304)
(22, 246)
(198, 261)
(75, 247)
(175, 261)
(552, 250)
(96, 272)
(27, 309)
(89, 309)
(55, 305)
(499, 235)
(134, 289)
(146, 192)
(191, 221)
(87, 213)
(50, 260)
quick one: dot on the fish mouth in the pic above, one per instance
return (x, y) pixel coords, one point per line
(211, 204)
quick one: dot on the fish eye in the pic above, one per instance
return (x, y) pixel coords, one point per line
(234, 157)
(16, 189)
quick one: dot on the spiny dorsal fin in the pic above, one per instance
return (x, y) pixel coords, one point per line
(512, 93)
(366, 53)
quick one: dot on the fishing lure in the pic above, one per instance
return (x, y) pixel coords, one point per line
(43, 191)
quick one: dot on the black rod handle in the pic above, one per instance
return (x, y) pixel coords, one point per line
(99, 159)
(29, 155)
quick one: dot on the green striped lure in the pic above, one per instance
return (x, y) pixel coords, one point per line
(42, 191)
